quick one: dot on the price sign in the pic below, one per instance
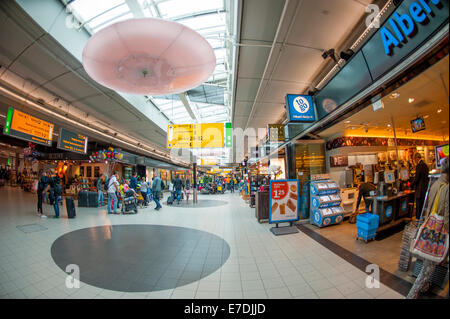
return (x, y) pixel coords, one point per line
(284, 201)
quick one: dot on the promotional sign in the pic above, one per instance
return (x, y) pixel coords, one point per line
(207, 162)
(284, 201)
(71, 141)
(209, 135)
(275, 132)
(27, 127)
(300, 108)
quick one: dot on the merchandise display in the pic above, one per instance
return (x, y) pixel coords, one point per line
(325, 203)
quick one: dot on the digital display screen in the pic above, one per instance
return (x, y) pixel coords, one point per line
(71, 141)
(441, 153)
(417, 125)
(29, 128)
(389, 177)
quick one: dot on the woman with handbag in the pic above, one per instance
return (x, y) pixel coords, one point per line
(431, 243)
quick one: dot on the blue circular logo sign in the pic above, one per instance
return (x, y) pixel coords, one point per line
(315, 202)
(389, 211)
(316, 217)
(404, 204)
(301, 104)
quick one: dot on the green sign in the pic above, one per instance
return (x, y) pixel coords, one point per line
(228, 135)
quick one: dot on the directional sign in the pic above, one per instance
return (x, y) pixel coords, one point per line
(27, 127)
(71, 141)
(209, 135)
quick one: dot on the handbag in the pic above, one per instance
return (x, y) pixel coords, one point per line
(431, 242)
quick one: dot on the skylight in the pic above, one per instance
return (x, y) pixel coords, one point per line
(207, 17)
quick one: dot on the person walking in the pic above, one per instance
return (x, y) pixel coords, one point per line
(143, 190)
(438, 203)
(55, 193)
(113, 188)
(420, 183)
(99, 187)
(178, 186)
(187, 191)
(41, 189)
(156, 190)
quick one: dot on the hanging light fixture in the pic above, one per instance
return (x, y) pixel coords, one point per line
(148, 56)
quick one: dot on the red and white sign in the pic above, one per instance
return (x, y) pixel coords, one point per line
(284, 199)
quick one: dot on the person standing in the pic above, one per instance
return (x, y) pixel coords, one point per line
(113, 188)
(156, 189)
(100, 190)
(133, 182)
(143, 190)
(42, 188)
(364, 192)
(178, 186)
(55, 193)
(420, 183)
(438, 202)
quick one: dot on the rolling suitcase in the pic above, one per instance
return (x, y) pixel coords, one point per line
(170, 200)
(83, 199)
(70, 207)
(92, 199)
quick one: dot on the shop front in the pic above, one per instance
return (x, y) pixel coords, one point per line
(382, 113)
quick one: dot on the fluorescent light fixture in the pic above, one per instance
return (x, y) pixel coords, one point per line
(394, 95)
(426, 116)
(439, 111)
(411, 100)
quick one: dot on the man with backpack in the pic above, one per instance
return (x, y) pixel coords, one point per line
(55, 193)
(41, 189)
(156, 189)
(113, 187)
(178, 186)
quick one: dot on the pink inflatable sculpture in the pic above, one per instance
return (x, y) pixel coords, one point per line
(148, 57)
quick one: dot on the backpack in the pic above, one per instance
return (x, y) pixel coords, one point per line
(105, 186)
(162, 185)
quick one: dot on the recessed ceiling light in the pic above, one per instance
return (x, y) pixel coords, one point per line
(394, 95)
(439, 111)
(411, 100)
(347, 122)
(389, 125)
(426, 116)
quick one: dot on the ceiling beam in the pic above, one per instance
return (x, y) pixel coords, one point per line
(135, 8)
(189, 109)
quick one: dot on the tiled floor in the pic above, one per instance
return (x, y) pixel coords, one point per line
(260, 265)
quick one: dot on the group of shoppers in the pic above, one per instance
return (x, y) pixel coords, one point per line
(116, 189)
(48, 186)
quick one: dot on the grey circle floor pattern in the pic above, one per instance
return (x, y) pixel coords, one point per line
(140, 258)
(203, 203)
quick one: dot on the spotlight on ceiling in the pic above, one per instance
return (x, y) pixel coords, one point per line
(329, 54)
(347, 54)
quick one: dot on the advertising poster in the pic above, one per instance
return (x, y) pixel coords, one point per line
(284, 201)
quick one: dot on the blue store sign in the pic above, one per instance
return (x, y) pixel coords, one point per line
(405, 25)
(300, 108)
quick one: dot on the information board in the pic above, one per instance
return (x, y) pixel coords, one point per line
(284, 201)
(28, 128)
(209, 135)
(71, 141)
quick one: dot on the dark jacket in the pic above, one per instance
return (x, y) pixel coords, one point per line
(133, 183)
(364, 192)
(421, 180)
(178, 184)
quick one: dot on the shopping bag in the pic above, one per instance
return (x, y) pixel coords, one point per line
(35, 185)
(431, 241)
